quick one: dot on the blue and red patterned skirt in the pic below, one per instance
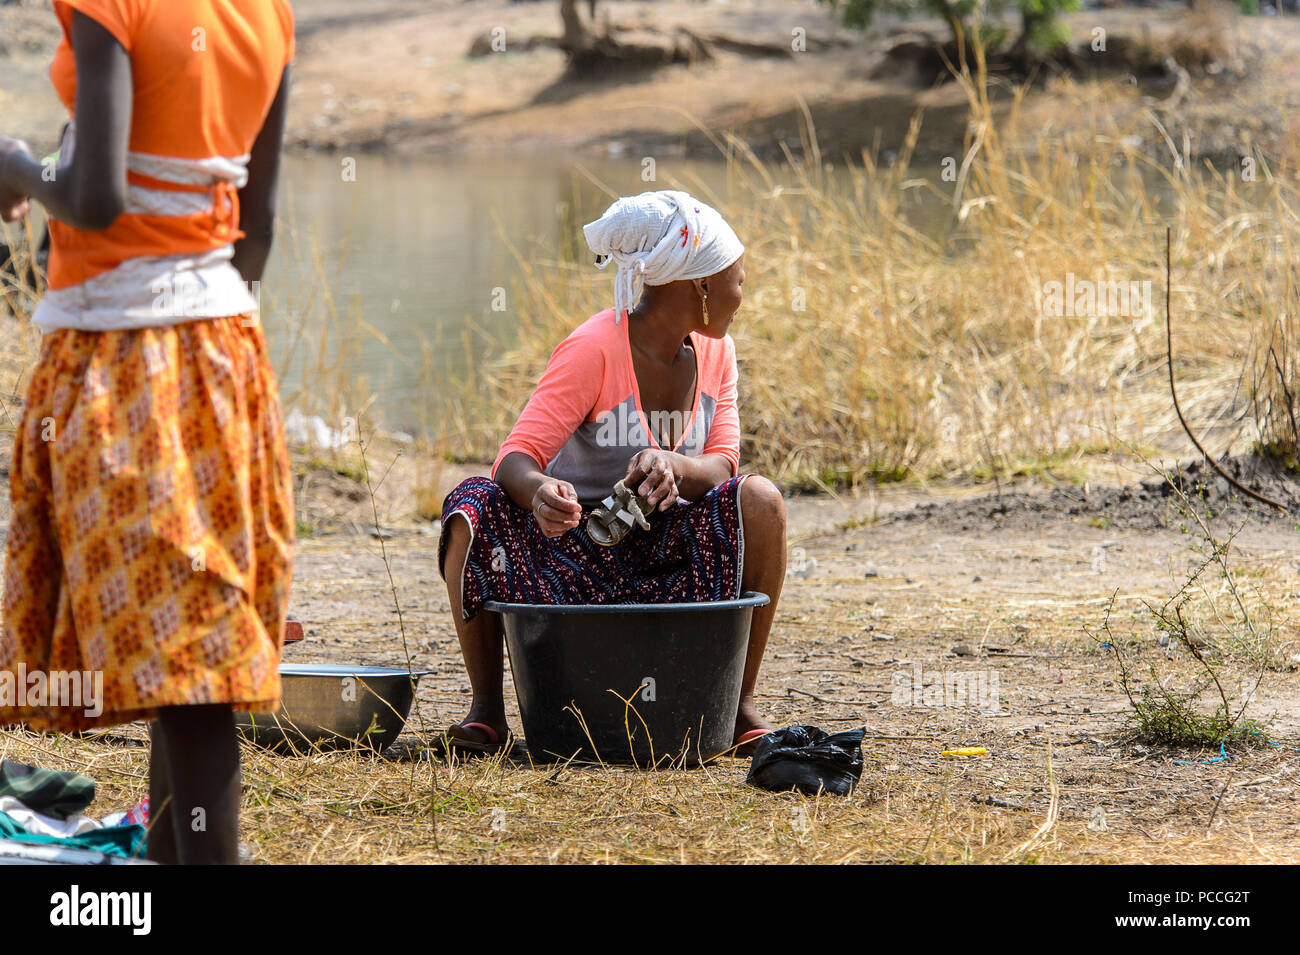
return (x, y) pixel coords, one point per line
(693, 552)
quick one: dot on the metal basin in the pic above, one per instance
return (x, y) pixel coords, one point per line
(334, 706)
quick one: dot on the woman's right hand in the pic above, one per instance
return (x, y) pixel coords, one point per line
(556, 507)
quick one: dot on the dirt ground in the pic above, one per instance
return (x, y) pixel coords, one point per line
(426, 95)
(903, 585)
(952, 581)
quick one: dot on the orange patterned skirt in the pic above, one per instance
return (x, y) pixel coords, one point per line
(151, 537)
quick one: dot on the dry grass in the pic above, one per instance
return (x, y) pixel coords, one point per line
(1206, 35)
(1275, 374)
(430, 488)
(825, 667)
(913, 807)
(18, 338)
(872, 348)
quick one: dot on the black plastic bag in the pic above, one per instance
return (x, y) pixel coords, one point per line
(808, 759)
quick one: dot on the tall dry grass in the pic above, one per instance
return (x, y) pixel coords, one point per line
(21, 285)
(870, 347)
(894, 320)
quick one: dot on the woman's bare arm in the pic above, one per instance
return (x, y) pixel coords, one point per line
(553, 502)
(90, 193)
(257, 198)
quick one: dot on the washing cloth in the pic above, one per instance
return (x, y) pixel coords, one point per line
(125, 841)
(47, 791)
(40, 824)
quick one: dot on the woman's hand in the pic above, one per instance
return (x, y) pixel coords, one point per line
(13, 201)
(653, 474)
(556, 507)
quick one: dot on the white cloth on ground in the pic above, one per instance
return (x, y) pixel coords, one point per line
(41, 825)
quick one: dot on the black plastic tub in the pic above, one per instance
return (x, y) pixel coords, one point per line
(645, 684)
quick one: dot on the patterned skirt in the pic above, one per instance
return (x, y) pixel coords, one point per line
(151, 537)
(693, 552)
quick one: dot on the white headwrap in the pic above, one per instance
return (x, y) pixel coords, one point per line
(660, 237)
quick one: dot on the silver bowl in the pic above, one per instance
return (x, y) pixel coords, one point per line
(333, 706)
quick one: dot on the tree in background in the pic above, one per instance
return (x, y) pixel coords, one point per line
(1040, 27)
(592, 49)
(1041, 32)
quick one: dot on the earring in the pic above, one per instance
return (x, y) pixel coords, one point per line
(706, 308)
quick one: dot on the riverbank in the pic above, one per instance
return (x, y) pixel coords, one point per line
(429, 96)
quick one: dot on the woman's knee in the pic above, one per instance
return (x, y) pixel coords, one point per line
(761, 503)
(456, 526)
(455, 543)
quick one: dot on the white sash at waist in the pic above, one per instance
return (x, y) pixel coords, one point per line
(150, 292)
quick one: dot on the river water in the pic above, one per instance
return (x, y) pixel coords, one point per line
(415, 249)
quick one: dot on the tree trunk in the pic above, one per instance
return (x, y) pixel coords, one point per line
(950, 16)
(576, 35)
(1030, 22)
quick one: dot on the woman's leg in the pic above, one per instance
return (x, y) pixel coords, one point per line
(480, 641)
(200, 762)
(762, 513)
(162, 835)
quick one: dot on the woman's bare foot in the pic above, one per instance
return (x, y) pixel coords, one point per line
(748, 720)
(470, 729)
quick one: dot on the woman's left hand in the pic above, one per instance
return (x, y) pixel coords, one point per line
(13, 204)
(653, 475)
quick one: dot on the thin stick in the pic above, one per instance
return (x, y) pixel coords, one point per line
(401, 623)
(1173, 391)
(1213, 812)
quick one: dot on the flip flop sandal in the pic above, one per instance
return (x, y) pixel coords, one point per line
(748, 742)
(612, 521)
(449, 742)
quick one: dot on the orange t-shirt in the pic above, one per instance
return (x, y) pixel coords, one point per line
(204, 74)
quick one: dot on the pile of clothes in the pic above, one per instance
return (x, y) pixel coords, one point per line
(46, 807)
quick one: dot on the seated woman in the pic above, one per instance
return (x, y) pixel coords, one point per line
(650, 400)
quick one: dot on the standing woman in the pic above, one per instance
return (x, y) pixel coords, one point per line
(644, 394)
(151, 535)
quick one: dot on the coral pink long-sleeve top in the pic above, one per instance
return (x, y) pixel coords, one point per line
(584, 420)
